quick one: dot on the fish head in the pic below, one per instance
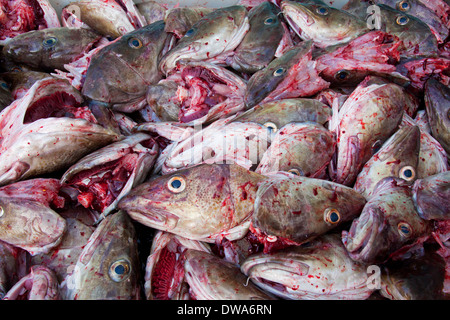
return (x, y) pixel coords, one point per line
(321, 23)
(263, 82)
(135, 58)
(196, 203)
(50, 49)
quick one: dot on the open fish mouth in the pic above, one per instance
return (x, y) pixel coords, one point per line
(361, 239)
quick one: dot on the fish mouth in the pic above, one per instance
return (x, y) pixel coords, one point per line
(298, 13)
(146, 212)
(360, 240)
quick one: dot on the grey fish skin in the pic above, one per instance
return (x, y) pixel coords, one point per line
(10, 266)
(180, 20)
(135, 57)
(319, 270)
(108, 267)
(398, 157)
(324, 25)
(50, 49)
(200, 203)
(284, 111)
(437, 103)
(21, 81)
(293, 210)
(6, 97)
(432, 196)
(388, 225)
(211, 278)
(257, 49)
(419, 10)
(217, 33)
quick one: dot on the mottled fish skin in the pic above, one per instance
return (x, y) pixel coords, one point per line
(305, 148)
(135, 57)
(40, 284)
(398, 157)
(217, 33)
(432, 196)
(257, 49)
(50, 49)
(370, 115)
(437, 103)
(164, 271)
(31, 147)
(388, 225)
(324, 25)
(180, 20)
(293, 210)
(212, 278)
(416, 278)
(310, 272)
(281, 112)
(200, 203)
(108, 267)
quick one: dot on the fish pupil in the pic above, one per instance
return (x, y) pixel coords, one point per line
(322, 10)
(404, 229)
(120, 269)
(269, 21)
(176, 184)
(189, 32)
(334, 217)
(408, 173)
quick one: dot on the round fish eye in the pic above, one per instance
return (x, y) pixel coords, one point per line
(376, 146)
(119, 270)
(4, 85)
(332, 216)
(135, 43)
(269, 21)
(403, 5)
(190, 32)
(402, 20)
(404, 229)
(176, 184)
(341, 75)
(322, 11)
(279, 72)
(295, 171)
(407, 173)
(50, 42)
(271, 126)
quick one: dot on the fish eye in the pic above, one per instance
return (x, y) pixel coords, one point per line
(176, 184)
(341, 75)
(271, 126)
(404, 229)
(279, 72)
(190, 32)
(50, 42)
(119, 270)
(295, 171)
(4, 85)
(403, 5)
(322, 11)
(135, 43)
(269, 21)
(332, 216)
(402, 20)
(16, 69)
(407, 173)
(376, 146)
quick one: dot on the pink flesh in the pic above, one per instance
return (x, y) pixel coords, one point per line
(271, 246)
(59, 104)
(199, 83)
(20, 16)
(99, 186)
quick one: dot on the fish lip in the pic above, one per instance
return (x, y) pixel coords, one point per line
(300, 11)
(149, 215)
(360, 248)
